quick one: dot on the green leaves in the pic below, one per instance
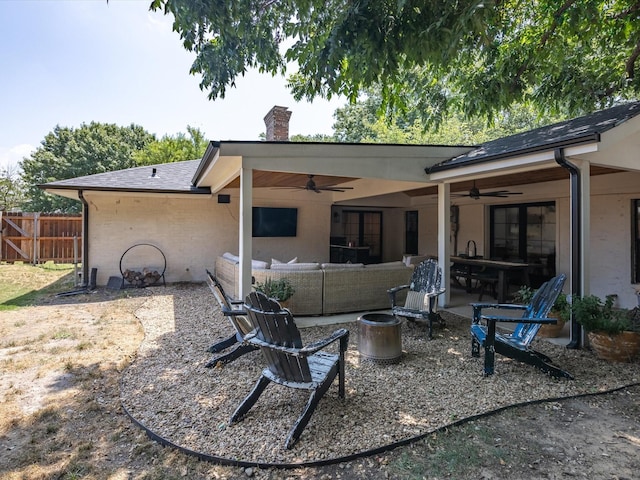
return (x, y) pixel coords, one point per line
(479, 56)
(173, 148)
(69, 153)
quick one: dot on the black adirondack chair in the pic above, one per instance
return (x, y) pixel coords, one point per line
(234, 311)
(517, 345)
(422, 294)
(289, 362)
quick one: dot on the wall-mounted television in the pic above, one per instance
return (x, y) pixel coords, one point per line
(274, 222)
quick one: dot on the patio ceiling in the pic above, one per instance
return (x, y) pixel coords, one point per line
(509, 180)
(265, 179)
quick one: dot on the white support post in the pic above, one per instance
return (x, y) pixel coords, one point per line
(245, 246)
(444, 241)
(585, 224)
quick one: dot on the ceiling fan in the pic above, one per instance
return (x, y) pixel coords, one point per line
(312, 187)
(476, 194)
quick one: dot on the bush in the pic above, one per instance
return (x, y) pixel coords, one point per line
(598, 316)
(560, 306)
(281, 289)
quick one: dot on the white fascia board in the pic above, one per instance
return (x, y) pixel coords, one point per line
(73, 194)
(303, 149)
(220, 173)
(392, 162)
(581, 150)
(619, 147)
(402, 169)
(127, 194)
(518, 164)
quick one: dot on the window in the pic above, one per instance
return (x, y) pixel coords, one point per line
(411, 232)
(635, 229)
(525, 233)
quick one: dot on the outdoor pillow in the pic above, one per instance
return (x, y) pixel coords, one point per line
(231, 256)
(278, 262)
(259, 264)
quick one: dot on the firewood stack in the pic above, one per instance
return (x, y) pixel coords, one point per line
(142, 279)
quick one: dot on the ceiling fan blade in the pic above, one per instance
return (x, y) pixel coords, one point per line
(500, 193)
(335, 189)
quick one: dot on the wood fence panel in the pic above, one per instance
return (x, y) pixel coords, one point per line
(40, 237)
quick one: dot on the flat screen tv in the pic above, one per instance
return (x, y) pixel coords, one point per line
(274, 222)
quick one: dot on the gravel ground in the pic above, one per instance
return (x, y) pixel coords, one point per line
(168, 389)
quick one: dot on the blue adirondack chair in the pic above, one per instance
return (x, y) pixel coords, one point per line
(517, 345)
(289, 362)
(422, 294)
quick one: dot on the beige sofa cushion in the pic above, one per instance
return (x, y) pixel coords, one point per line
(341, 266)
(295, 267)
(375, 266)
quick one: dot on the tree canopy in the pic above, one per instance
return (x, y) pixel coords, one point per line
(174, 148)
(360, 122)
(11, 189)
(74, 152)
(477, 57)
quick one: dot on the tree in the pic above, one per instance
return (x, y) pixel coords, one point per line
(476, 57)
(316, 137)
(11, 189)
(68, 153)
(173, 148)
(360, 122)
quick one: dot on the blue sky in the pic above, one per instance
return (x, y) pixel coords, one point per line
(68, 62)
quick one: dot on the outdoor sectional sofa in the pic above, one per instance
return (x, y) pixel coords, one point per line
(323, 288)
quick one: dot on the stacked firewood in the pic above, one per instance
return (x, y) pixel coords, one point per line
(142, 279)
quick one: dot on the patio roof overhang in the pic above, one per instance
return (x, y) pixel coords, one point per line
(368, 169)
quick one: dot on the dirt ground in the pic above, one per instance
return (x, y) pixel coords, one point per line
(60, 415)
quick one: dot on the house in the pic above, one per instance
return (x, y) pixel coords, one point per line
(568, 202)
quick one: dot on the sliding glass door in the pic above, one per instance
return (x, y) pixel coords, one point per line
(525, 233)
(364, 229)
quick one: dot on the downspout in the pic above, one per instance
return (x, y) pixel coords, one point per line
(85, 239)
(575, 339)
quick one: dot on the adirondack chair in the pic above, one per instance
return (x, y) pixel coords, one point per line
(241, 325)
(422, 295)
(517, 345)
(289, 362)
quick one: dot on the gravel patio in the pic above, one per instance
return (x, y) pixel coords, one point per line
(168, 390)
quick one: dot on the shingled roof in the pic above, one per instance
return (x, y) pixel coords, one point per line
(571, 132)
(164, 178)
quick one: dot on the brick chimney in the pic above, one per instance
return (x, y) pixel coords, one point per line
(277, 122)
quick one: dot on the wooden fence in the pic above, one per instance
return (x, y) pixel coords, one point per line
(40, 237)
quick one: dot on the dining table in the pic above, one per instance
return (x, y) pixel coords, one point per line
(503, 270)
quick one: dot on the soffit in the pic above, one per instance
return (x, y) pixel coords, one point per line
(509, 180)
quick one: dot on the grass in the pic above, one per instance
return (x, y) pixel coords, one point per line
(23, 285)
(451, 454)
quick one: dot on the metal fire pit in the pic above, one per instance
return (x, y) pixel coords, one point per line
(379, 338)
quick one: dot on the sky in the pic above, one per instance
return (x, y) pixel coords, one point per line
(69, 62)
